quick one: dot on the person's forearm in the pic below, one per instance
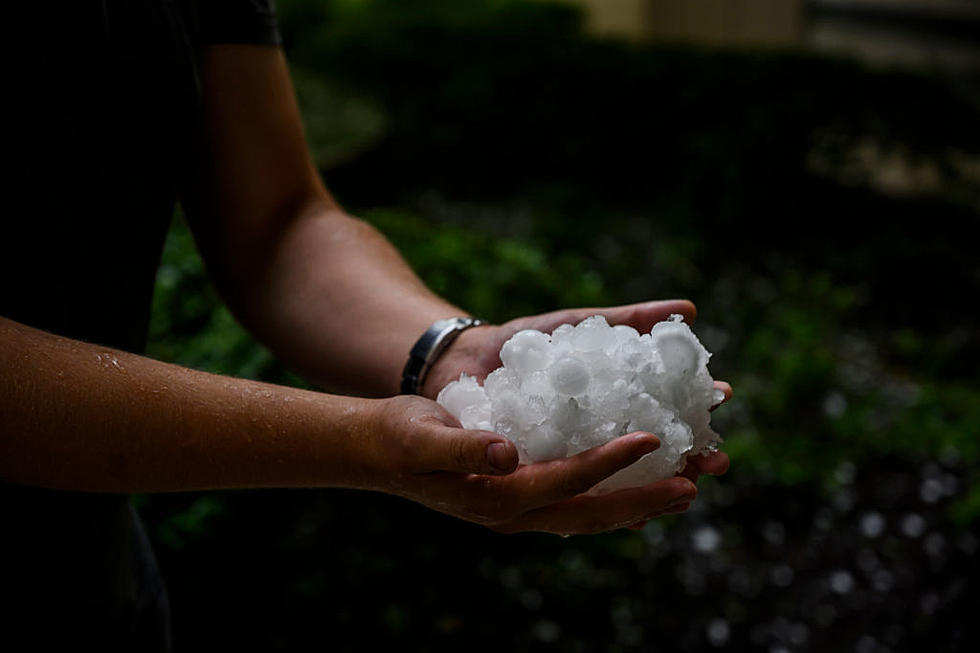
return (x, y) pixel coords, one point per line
(337, 302)
(326, 292)
(83, 417)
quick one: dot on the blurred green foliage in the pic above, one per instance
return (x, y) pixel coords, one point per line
(520, 166)
(191, 327)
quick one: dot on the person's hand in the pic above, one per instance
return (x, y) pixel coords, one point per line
(420, 451)
(477, 352)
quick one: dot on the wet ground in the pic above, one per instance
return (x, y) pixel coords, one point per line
(874, 565)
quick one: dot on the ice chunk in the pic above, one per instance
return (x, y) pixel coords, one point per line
(570, 376)
(584, 385)
(462, 395)
(593, 334)
(468, 402)
(527, 351)
(549, 444)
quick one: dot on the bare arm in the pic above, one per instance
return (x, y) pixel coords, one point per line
(77, 416)
(334, 299)
(324, 290)
(321, 288)
(83, 417)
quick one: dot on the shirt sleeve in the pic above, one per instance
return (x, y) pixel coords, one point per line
(238, 21)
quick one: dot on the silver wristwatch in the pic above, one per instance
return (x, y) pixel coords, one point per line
(428, 348)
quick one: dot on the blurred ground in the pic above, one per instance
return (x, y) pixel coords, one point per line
(820, 214)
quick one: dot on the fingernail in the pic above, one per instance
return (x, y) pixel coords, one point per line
(717, 398)
(497, 458)
(647, 442)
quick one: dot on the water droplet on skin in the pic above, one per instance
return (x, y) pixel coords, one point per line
(108, 360)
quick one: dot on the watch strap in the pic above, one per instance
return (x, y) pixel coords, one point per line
(428, 348)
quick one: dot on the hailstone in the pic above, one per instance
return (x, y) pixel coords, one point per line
(581, 386)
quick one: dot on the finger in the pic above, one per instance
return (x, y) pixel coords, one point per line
(675, 509)
(445, 448)
(690, 472)
(715, 463)
(598, 514)
(546, 483)
(638, 525)
(643, 316)
(726, 389)
(640, 316)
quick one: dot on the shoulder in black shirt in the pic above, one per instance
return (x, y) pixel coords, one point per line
(104, 104)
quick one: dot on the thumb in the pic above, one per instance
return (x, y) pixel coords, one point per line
(452, 449)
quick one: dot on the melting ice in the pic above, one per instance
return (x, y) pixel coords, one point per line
(582, 386)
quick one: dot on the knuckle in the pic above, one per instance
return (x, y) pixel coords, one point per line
(459, 453)
(406, 451)
(400, 405)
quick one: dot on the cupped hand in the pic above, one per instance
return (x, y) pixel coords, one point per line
(477, 352)
(422, 453)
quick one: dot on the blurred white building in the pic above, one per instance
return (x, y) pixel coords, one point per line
(942, 35)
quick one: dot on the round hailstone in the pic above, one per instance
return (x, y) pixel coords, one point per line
(570, 376)
(527, 351)
(584, 385)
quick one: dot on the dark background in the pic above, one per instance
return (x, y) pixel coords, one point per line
(820, 211)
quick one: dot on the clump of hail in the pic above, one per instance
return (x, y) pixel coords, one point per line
(582, 386)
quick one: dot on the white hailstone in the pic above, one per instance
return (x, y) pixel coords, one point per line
(569, 376)
(582, 386)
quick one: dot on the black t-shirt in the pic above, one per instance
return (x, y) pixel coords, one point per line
(104, 99)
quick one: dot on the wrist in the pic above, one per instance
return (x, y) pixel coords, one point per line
(465, 354)
(429, 348)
